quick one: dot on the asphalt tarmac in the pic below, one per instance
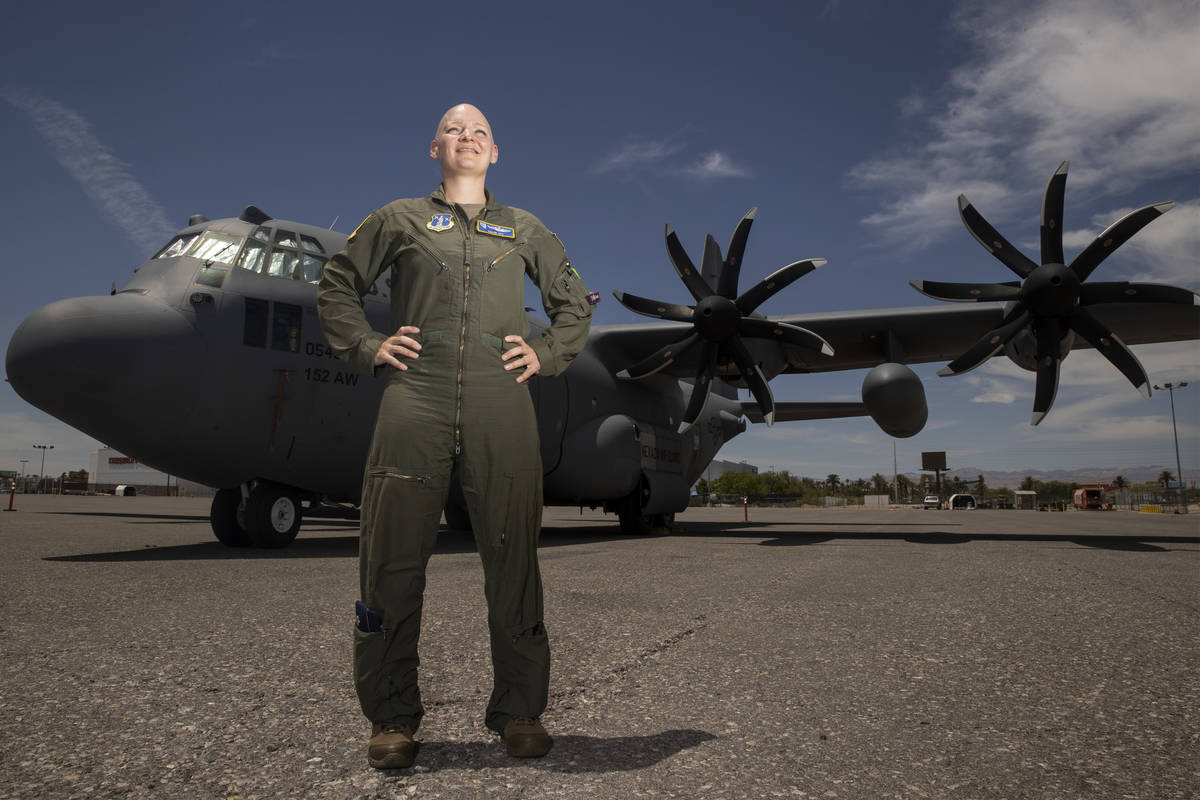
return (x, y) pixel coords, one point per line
(802, 654)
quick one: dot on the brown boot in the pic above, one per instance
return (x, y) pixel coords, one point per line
(526, 738)
(391, 746)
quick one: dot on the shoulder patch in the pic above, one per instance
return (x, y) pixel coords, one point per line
(356, 230)
(440, 222)
(491, 229)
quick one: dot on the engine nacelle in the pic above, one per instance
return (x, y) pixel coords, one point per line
(895, 398)
(1022, 349)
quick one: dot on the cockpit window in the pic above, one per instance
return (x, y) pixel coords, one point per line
(282, 263)
(283, 254)
(177, 246)
(253, 257)
(215, 247)
(311, 267)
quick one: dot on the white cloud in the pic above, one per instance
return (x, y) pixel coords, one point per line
(104, 177)
(715, 165)
(912, 104)
(991, 390)
(995, 396)
(1098, 81)
(637, 153)
(667, 157)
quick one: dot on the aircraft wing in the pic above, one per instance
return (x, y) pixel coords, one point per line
(863, 339)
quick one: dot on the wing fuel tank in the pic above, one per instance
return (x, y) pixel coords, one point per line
(895, 398)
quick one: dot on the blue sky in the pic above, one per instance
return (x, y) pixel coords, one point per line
(852, 124)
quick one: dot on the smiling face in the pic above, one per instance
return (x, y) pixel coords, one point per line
(463, 143)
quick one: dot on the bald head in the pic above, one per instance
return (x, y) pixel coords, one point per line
(463, 142)
(462, 112)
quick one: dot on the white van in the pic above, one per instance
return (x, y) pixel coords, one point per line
(962, 502)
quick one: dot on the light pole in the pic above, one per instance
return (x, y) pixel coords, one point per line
(1171, 387)
(24, 461)
(42, 474)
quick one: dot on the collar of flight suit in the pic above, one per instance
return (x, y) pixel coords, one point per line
(439, 196)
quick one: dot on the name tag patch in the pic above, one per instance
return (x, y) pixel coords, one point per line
(440, 222)
(495, 230)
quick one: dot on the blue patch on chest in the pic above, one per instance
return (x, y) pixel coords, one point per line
(440, 222)
(491, 229)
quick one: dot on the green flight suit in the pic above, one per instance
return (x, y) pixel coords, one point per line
(455, 409)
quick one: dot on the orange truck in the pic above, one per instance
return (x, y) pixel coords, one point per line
(1088, 498)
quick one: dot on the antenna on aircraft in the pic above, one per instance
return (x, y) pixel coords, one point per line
(335, 219)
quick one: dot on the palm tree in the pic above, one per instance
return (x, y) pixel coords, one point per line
(1119, 482)
(1165, 479)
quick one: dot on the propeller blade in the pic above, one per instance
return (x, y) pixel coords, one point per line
(733, 255)
(1052, 216)
(702, 387)
(989, 344)
(1048, 361)
(659, 359)
(683, 265)
(753, 377)
(784, 332)
(1091, 294)
(968, 292)
(653, 308)
(712, 263)
(1114, 236)
(1112, 348)
(992, 241)
(757, 294)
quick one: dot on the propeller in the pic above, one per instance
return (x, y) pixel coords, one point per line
(1051, 298)
(721, 319)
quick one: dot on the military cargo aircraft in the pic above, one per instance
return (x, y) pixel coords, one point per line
(210, 364)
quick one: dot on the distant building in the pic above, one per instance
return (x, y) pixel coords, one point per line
(110, 469)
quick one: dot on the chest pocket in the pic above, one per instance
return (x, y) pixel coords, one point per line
(420, 284)
(502, 310)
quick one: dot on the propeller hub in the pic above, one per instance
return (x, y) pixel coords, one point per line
(717, 318)
(1051, 290)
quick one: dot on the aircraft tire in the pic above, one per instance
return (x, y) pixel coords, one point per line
(227, 517)
(635, 523)
(273, 515)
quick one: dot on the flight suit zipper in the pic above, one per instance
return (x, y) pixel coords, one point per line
(505, 255)
(462, 339)
(430, 252)
(384, 473)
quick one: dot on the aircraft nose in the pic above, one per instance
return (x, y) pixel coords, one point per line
(88, 359)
